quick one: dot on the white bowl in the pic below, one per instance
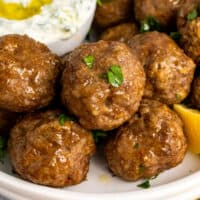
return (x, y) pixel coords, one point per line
(181, 182)
(62, 47)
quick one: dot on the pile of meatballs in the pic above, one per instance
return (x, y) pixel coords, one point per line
(124, 84)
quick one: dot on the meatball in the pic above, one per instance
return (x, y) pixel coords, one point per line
(150, 143)
(164, 11)
(112, 12)
(7, 121)
(105, 95)
(169, 71)
(195, 92)
(50, 150)
(28, 73)
(189, 28)
(122, 32)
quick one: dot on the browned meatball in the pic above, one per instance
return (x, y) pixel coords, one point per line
(112, 12)
(7, 121)
(150, 143)
(195, 92)
(169, 71)
(50, 151)
(93, 94)
(28, 73)
(164, 11)
(121, 32)
(189, 28)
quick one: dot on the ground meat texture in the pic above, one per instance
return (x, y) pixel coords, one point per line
(112, 12)
(195, 93)
(164, 11)
(150, 143)
(49, 153)
(190, 29)
(87, 93)
(122, 32)
(28, 73)
(169, 71)
(7, 121)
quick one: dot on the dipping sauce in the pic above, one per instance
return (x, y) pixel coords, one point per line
(44, 20)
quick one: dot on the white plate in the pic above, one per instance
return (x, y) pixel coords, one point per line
(181, 182)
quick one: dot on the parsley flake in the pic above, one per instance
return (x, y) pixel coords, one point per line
(136, 146)
(176, 36)
(2, 148)
(115, 76)
(63, 118)
(150, 24)
(89, 61)
(193, 14)
(145, 185)
(99, 135)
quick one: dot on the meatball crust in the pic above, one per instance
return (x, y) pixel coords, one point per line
(164, 11)
(122, 32)
(112, 12)
(150, 143)
(189, 30)
(195, 92)
(46, 152)
(87, 92)
(28, 73)
(169, 71)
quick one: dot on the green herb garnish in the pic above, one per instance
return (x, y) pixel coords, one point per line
(99, 135)
(115, 76)
(175, 36)
(2, 148)
(63, 118)
(141, 169)
(99, 2)
(145, 185)
(178, 96)
(136, 146)
(193, 14)
(89, 61)
(150, 24)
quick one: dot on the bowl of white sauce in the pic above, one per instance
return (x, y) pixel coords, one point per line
(60, 24)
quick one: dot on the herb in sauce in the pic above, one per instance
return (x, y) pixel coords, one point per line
(2, 148)
(176, 36)
(141, 169)
(99, 135)
(150, 24)
(89, 61)
(193, 14)
(115, 76)
(63, 118)
(136, 146)
(145, 185)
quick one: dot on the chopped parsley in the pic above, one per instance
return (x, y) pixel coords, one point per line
(145, 185)
(176, 36)
(136, 146)
(115, 76)
(150, 24)
(141, 169)
(63, 118)
(99, 3)
(89, 61)
(178, 96)
(2, 148)
(192, 14)
(99, 135)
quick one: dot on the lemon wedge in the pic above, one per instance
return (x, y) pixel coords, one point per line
(191, 120)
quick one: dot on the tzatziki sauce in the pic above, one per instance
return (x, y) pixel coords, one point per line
(57, 20)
